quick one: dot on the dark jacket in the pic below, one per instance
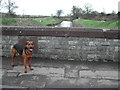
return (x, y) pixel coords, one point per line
(19, 48)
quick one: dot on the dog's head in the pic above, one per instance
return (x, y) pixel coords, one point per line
(30, 45)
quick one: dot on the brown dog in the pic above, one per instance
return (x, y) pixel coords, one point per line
(25, 52)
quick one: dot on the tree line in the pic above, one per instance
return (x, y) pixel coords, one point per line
(89, 13)
(76, 12)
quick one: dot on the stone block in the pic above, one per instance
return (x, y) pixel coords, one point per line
(15, 74)
(0, 52)
(33, 84)
(72, 42)
(53, 56)
(71, 73)
(105, 44)
(86, 74)
(102, 48)
(92, 56)
(72, 47)
(0, 46)
(47, 71)
(117, 49)
(108, 83)
(91, 43)
(99, 74)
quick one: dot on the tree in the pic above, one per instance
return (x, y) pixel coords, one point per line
(10, 6)
(113, 12)
(59, 12)
(76, 12)
(1, 4)
(88, 8)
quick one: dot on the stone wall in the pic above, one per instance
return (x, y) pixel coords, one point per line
(66, 47)
(75, 48)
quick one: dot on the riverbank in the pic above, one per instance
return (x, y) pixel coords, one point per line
(30, 21)
(49, 21)
(95, 23)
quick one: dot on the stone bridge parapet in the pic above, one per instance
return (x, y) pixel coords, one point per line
(75, 43)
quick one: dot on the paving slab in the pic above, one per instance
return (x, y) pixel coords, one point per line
(87, 73)
(108, 74)
(99, 74)
(32, 84)
(13, 87)
(48, 71)
(82, 81)
(71, 73)
(21, 80)
(1, 73)
(15, 74)
(107, 83)
(61, 74)
(69, 83)
(84, 67)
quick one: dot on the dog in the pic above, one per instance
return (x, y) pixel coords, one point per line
(24, 51)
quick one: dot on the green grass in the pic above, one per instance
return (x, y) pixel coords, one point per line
(96, 24)
(29, 21)
(7, 21)
(46, 21)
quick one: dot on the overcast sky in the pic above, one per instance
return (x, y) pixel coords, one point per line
(48, 7)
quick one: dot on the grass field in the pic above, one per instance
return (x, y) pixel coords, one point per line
(8, 21)
(96, 24)
(29, 21)
(48, 21)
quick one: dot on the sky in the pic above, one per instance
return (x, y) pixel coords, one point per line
(50, 7)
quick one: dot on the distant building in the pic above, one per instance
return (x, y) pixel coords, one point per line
(7, 15)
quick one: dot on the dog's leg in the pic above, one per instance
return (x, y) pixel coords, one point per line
(19, 59)
(12, 63)
(25, 59)
(29, 64)
(25, 67)
(13, 56)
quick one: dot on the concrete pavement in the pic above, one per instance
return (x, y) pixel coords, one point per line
(60, 74)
